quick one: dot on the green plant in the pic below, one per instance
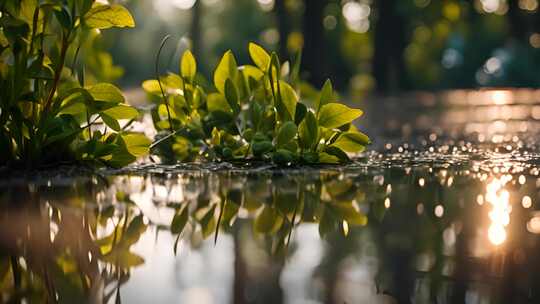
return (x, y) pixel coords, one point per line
(251, 112)
(48, 113)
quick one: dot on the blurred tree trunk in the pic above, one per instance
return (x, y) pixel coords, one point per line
(517, 21)
(536, 25)
(390, 42)
(195, 29)
(313, 57)
(284, 28)
(472, 13)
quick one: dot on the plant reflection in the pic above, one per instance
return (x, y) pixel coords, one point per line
(53, 250)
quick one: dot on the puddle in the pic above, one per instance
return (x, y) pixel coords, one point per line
(442, 210)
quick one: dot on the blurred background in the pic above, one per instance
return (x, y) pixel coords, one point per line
(364, 46)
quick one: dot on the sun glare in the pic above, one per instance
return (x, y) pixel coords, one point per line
(499, 199)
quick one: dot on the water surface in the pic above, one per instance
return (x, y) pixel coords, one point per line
(443, 209)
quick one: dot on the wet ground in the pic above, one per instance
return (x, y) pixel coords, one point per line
(443, 209)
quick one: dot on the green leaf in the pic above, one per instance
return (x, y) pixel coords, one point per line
(288, 97)
(325, 158)
(333, 115)
(227, 153)
(352, 141)
(181, 147)
(106, 92)
(104, 149)
(259, 56)
(73, 108)
(179, 221)
(248, 134)
(261, 147)
(122, 112)
(179, 106)
(76, 102)
(286, 133)
(62, 128)
(3, 40)
(327, 223)
(134, 230)
(300, 113)
(310, 157)
(123, 259)
(296, 68)
(350, 214)
(231, 94)
(337, 152)
(327, 93)
(216, 137)
(111, 122)
(217, 102)
(208, 222)
(63, 17)
(172, 81)
(251, 71)
(256, 114)
(86, 5)
(120, 158)
(226, 69)
(275, 68)
(188, 65)
(283, 157)
(27, 9)
(137, 144)
(259, 136)
(268, 220)
(107, 16)
(162, 112)
(309, 131)
(230, 211)
(151, 86)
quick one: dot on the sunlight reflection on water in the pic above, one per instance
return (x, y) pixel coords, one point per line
(499, 215)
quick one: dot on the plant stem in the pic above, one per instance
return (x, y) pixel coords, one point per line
(159, 81)
(88, 124)
(220, 216)
(164, 138)
(247, 151)
(35, 20)
(15, 269)
(57, 74)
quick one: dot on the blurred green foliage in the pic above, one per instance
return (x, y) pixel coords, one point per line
(361, 45)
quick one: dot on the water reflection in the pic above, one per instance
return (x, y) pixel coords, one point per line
(499, 215)
(405, 232)
(497, 116)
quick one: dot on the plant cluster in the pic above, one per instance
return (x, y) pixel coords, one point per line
(251, 112)
(48, 112)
